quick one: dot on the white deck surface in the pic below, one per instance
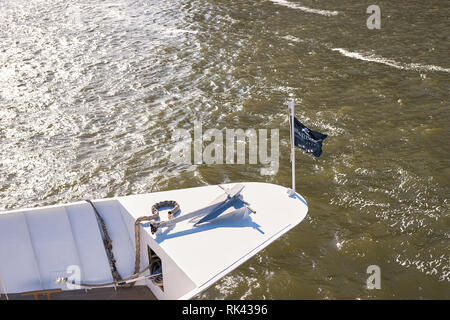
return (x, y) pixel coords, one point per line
(208, 252)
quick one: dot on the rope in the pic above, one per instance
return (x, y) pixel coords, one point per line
(137, 234)
(120, 283)
(167, 203)
(137, 238)
(108, 245)
(107, 242)
(4, 289)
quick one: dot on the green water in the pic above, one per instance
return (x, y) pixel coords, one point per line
(91, 93)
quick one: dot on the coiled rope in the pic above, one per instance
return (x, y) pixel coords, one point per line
(137, 234)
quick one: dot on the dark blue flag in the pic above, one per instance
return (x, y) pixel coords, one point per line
(308, 140)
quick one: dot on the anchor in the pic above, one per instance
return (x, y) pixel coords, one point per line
(209, 212)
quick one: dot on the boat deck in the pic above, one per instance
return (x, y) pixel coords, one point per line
(39, 246)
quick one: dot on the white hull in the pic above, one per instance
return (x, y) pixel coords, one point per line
(39, 245)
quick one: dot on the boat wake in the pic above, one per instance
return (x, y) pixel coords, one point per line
(288, 4)
(390, 62)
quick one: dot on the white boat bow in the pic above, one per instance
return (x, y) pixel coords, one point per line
(38, 246)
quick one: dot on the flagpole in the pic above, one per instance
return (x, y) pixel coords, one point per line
(291, 108)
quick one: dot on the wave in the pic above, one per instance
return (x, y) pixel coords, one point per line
(390, 62)
(305, 9)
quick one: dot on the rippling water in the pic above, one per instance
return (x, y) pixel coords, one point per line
(90, 91)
